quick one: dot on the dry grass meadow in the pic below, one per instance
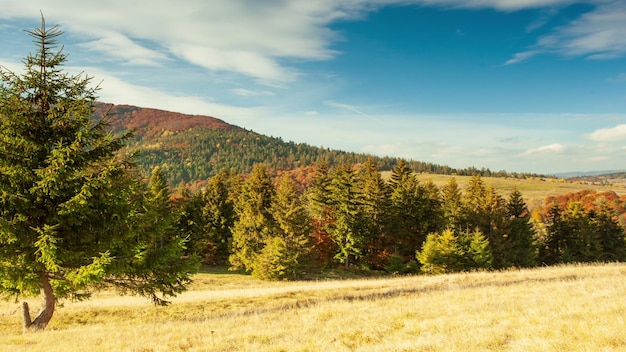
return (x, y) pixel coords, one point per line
(566, 308)
(534, 190)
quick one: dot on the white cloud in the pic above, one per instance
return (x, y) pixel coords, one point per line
(126, 50)
(349, 107)
(117, 91)
(550, 149)
(502, 5)
(613, 134)
(251, 93)
(597, 34)
(519, 57)
(257, 39)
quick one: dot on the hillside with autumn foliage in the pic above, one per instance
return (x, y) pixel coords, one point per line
(192, 148)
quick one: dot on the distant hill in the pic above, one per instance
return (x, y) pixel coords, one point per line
(150, 123)
(192, 148)
(578, 174)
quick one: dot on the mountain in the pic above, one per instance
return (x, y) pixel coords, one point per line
(192, 148)
(150, 123)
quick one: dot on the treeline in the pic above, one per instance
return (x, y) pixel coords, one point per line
(199, 153)
(349, 216)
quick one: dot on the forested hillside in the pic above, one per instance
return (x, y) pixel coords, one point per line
(192, 148)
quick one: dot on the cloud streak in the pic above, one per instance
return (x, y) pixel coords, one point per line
(597, 34)
(614, 134)
(350, 108)
(546, 149)
(257, 39)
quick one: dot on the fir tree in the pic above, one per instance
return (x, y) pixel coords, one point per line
(611, 235)
(286, 252)
(521, 251)
(451, 204)
(73, 214)
(345, 229)
(320, 208)
(374, 208)
(254, 224)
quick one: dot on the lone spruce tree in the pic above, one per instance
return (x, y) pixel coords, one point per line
(74, 216)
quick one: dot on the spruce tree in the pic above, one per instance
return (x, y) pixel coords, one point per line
(451, 204)
(610, 233)
(254, 224)
(553, 244)
(73, 212)
(521, 251)
(319, 200)
(583, 242)
(345, 229)
(287, 250)
(375, 206)
(218, 217)
(414, 212)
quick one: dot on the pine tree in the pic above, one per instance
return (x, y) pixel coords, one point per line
(413, 212)
(553, 244)
(73, 215)
(345, 229)
(452, 205)
(449, 251)
(611, 235)
(400, 172)
(477, 251)
(473, 201)
(582, 240)
(207, 217)
(254, 224)
(286, 252)
(441, 253)
(520, 249)
(375, 206)
(320, 207)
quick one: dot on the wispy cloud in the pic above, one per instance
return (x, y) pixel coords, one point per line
(257, 38)
(350, 108)
(597, 34)
(613, 134)
(519, 57)
(550, 149)
(242, 92)
(126, 50)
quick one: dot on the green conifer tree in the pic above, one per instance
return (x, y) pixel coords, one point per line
(452, 205)
(320, 207)
(286, 252)
(610, 233)
(254, 224)
(520, 249)
(73, 215)
(218, 218)
(345, 229)
(375, 219)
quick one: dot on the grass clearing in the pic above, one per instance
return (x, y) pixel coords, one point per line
(534, 190)
(567, 308)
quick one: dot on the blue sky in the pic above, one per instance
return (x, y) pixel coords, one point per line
(520, 85)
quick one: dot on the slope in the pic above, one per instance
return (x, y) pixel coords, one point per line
(192, 148)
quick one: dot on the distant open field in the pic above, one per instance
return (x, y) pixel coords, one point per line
(568, 308)
(533, 190)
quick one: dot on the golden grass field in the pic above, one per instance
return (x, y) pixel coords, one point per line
(534, 190)
(566, 308)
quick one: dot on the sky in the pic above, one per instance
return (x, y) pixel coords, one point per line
(517, 85)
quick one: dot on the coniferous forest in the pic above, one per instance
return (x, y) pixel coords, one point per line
(285, 210)
(349, 216)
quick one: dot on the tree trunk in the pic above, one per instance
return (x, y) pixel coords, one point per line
(47, 308)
